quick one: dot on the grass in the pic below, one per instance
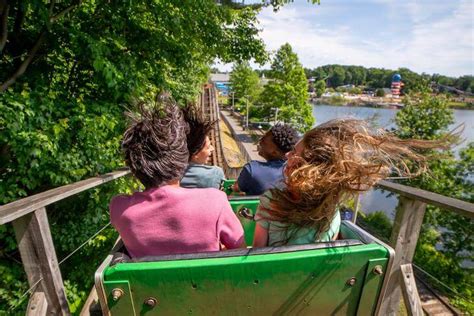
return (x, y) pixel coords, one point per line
(458, 105)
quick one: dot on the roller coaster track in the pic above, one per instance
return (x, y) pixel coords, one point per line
(210, 109)
(432, 302)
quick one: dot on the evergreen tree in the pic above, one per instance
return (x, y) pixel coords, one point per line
(288, 91)
(337, 76)
(320, 87)
(245, 83)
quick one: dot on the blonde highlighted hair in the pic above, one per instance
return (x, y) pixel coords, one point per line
(342, 157)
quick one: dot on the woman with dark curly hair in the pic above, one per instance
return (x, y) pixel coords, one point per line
(198, 174)
(166, 218)
(257, 176)
(330, 164)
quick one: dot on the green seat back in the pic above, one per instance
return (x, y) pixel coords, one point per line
(318, 279)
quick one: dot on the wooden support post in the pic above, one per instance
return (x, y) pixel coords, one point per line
(409, 290)
(40, 262)
(356, 207)
(406, 228)
(37, 305)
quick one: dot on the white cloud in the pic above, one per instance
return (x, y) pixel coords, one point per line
(430, 43)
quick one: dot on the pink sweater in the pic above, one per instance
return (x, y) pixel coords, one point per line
(174, 220)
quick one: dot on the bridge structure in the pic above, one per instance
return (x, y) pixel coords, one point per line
(47, 294)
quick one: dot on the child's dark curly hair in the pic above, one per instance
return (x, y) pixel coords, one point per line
(284, 136)
(155, 142)
(199, 128)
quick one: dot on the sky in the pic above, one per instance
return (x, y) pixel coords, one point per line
(423, 35)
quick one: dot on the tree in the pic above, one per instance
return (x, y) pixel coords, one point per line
(337, 76)
(355, 91)
(245, 82)
(358, 74)
(288, 91)
(68, 71)
(427, 118)
(380, 92)
(413, 82)
(320, 87)
(465, 83)
(319, 74)
(379, 77)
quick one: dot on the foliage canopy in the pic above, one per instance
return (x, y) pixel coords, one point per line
(288, 90)
(68, 71)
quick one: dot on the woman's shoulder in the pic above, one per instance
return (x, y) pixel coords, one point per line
(206, 193)
(199, 168)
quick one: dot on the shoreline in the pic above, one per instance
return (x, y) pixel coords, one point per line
(372, 104)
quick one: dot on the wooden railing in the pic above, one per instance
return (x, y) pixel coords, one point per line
(406, 229)
(30, 222)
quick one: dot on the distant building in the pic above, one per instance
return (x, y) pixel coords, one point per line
(388, 92)
(346, 86)
(222, 82)
(221, 77)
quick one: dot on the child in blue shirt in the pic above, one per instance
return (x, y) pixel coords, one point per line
(257, 176)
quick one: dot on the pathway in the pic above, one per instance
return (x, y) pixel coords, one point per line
(242, 136)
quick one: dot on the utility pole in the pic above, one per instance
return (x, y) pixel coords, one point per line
(247, 114)
(276, 115)
(233, 93)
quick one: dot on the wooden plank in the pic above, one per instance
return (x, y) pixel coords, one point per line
(39, 259)
(37, 305)
(14, 210)
(406, 229)
(455, 205)
(409, 290)
(356, 207)
(91, 299)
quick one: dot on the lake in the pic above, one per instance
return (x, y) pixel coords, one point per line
(377, 200)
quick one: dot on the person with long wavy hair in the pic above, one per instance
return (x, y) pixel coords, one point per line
(330, 164)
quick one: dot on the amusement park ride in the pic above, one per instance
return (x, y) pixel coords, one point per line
(396, 86)
(354, 275)
(344, 277)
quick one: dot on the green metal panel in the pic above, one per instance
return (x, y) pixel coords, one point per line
(227, 186)
(307, 282)
(123, 306)
(347, 233)
(247, 224)
(372, 286)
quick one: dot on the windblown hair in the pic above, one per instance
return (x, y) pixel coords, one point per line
(199, 128)
(340, 158)
(284, 136)
(155, 142)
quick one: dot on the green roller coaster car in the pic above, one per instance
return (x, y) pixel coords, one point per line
(343, 277)
(226, 186)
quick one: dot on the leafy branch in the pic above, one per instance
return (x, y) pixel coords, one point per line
(4, 9)
(36, 46)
